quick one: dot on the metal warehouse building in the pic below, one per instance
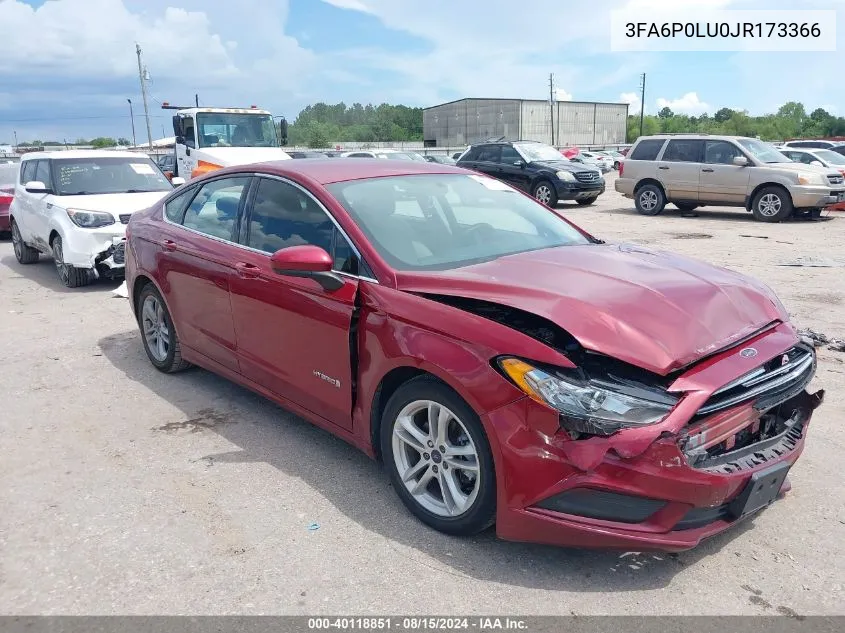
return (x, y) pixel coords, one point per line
(466, 121)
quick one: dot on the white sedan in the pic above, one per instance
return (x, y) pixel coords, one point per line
(75, 205)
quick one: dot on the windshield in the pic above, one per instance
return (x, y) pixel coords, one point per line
(538, 151)
(401, 156)
(84, 176)
(445, 221)
(236, 130)
(764, 152)
(830, 157)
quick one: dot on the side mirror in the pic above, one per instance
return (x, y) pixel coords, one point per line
(283, 132)
(740, 161)
(308, 261)
(180, 140)
(36, 186)
(817, 163)
(176, 181)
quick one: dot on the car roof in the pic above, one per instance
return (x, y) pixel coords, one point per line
(327, 171)
(83, 153)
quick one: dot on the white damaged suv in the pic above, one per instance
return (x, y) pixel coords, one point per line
(75, 205)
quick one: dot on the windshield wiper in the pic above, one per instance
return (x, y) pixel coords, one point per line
(143, 190)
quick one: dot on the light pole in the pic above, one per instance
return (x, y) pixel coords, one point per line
(132, 118)
(16, 141)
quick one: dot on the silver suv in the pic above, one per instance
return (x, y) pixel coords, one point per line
(694, 170)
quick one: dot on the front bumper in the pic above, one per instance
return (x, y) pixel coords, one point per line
(642, 493)
(89, 248)
(578, 190)
(816, 196)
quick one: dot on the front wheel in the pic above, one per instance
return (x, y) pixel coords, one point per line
(544, 192)
(70, 276)
(771, 204)
(438, 457)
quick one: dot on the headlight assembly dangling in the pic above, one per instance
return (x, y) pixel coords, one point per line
(586, 406)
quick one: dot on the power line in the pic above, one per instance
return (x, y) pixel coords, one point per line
(78, 118)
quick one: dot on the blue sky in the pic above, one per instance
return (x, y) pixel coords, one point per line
(69, 65)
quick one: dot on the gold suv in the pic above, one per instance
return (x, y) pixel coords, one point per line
(694, 170)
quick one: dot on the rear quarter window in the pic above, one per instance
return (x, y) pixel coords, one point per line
(647, 150)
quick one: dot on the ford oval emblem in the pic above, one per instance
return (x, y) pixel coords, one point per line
(748, 352)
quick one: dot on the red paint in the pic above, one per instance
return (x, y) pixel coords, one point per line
(289, 339)
(7, 194)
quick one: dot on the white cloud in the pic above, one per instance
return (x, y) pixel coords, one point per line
(562, 95)
(633, 101)
(688, 104)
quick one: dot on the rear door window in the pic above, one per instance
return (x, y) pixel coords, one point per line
(684, 151)
(647, 150)
(489, 154)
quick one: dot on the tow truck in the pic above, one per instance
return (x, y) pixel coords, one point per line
(212, 138)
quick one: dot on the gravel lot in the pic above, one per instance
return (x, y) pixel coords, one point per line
(123, 490)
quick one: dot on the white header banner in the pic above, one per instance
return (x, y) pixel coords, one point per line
(692, 29)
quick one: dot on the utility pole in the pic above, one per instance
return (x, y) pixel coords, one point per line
(552, 105)
(642, 101)
(16, 141)
(142, 72)
(197, 100)
(132, 118)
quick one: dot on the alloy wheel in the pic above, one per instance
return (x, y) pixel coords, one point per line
(154, 326)
(17, 241)
(769, 205)
(648, 200)
(543, 194)
(59, 259)
(436, 458)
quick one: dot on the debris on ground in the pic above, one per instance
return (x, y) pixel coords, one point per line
(759, 237)
(691, 236)
(121, 291)
(810, 261)
(313, 527)
(819, 340)
(689, 215)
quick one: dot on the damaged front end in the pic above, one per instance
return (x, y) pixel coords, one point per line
(614, 455)
(110, 263)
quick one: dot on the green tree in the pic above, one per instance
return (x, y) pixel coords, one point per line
(666, 113)
(722, 115)
(103, 141)
(123, 141)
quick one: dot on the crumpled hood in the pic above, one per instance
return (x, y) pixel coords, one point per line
(114, 203)
(227, 156)
(562, 165)
(655, 310)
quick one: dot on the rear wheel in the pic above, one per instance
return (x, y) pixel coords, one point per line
(70, 276)
(772, 204)
(544, 192)
(650, 200)
(158, 333)
(438, 457)
(23, 253)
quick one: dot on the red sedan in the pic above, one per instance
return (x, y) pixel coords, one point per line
(505, 365)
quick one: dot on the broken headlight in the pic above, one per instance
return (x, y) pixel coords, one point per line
(90, 219)
(589, 405)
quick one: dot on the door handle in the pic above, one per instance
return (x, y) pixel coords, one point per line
(169, 245)
(663, 167)
(707, 169)
(247, 271)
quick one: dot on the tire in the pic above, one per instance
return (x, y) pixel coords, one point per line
(686, 208)
(473, 508)
(650, 200)
(544, 192)
(70, 276)
(167, 355)
(585, 202)
(23, 253)
(771, 204)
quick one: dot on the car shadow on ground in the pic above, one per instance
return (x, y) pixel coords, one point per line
(707, 215)
(43, 272)
(359, 488)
